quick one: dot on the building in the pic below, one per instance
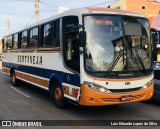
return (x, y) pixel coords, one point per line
(155, 22)
(0, 46)
(146, 7)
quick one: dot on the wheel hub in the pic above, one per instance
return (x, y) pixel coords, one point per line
(58, 94)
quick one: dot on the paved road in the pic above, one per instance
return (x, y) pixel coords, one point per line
(30, 103)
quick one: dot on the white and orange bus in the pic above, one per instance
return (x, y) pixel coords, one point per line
(87, 56)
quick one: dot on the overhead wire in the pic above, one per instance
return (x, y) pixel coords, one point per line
(49, 10)
(31, 19)
(47, 4)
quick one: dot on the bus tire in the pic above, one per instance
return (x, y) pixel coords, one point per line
(14, 80)
(57, 96)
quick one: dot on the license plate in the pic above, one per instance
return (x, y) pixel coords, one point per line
(126, 98)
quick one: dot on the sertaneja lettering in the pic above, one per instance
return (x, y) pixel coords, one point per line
(36, 60)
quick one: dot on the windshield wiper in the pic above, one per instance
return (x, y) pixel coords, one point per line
(140, 60)
(115, 60)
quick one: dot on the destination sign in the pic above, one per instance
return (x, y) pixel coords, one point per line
(104, 22)
(101, 22)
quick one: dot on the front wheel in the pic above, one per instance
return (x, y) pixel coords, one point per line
(58, 96)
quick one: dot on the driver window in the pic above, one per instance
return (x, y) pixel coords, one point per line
(71, 42)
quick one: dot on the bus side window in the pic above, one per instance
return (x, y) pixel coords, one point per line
(23, 40)
(34, 38)
(48, 37)
(71, 43)
(5, 43)
(9, 46)
(56, 33)
(50, 34)
(15, 41)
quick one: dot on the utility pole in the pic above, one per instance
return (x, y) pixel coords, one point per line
(8, 23)
(37, 10)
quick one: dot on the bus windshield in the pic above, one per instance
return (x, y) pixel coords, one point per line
(117, 43)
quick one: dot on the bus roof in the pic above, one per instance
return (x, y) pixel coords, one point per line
(88, 10)
(115, 11)
(79, 12)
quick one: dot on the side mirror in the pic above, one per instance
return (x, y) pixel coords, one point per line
(155, 35)
(154, 41)
(158, 40)
(82, 38)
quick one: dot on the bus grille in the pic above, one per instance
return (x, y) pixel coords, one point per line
(124, 90)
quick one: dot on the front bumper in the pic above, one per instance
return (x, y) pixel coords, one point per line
(90, 97)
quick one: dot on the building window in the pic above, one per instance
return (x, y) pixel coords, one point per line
(118, 7)
(15, 41)
(143, 7)
(24, 39)
(34, 38)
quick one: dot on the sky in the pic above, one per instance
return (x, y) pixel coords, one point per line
(22, 12)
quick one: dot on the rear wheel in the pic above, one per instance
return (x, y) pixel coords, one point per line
(57, 96)
(14, 80)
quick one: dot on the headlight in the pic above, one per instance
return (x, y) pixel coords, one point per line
(148, 84)
(97, 87)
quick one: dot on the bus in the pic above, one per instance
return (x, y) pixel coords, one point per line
(85, 56)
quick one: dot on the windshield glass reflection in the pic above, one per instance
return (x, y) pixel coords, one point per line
(108, 49)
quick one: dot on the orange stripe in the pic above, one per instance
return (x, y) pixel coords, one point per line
(74, 91)
(119, 80)
(33, 52)
(6, 70)
(37, 50)
(66, 90)
(111, 10)
(36, 80)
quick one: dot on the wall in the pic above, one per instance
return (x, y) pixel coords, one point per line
(151, 8)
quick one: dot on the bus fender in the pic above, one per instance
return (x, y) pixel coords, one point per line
(54, 91)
